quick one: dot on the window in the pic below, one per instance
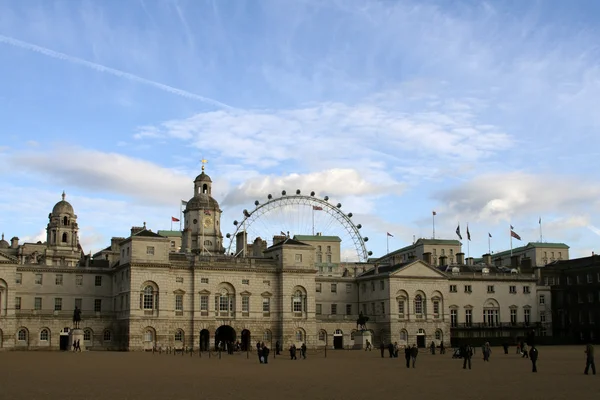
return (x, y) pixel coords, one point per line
(328, 260)
(58, 279)
(418, 305)
(364, 308)
(19, 278)
(268, 283)
(372, 286)
(542, 299)
(57, 304)
(245, 281)
(401, 307)
(299, 336)
(453, 289)
(454, 318)
(97, 280)
(348, 288)
(329, 249)
(179, 279)
(438, 335)
(334, 288)
(381, 285)
(172, 243)
(97, 305)
(44, 335)
(17, 303)
(526, 315)
(322, 336)
(542, 317)
(22, 335)
(297, 302)
(204, 303)
(436, 308)
(87, 335)
(148, 298)
(512, 289)
(526, 290)
(78, 303)
(179, 302)
(491, 317)
(490, 289)
(150, 250)
(319, 258)
(348, 309)
(37, 303)
(468, 317)
(179, 335)
(78, 280)
(334, 309)
(298, 257)
(318, 287)
(266, 305)
(589, 278)
(468, 289)
(513, 316)
(38, 279)
(319, 309)
(245, 304)
(203, 280)
(382, 305)
(107, 336)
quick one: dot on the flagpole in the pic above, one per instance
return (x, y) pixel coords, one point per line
(489, 244)
(468, 248)
(541, 237)
(511, 241)
(387, 238)
(171, 223)
(433, 217)
(313, 221)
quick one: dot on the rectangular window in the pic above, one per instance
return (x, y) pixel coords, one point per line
(318, 309)
(178, 302)
(372, 286)
(203, 280)
(333, 288)
(38, 279)
(348, 288)
(436, 308)
(513, 316)
(453, 289)
(245, 281)
(37, 303)
(298, 258)
(318, 287)
(381, 285)
(527, 315)
(98, 280)
(204, 303)
(57, 304)
(78, 303)
(526, 289)
(223, 303)
(348, 309)
(58, 279)
(78, 280)
(490, 289)
(179, 279)
(589, 278)
(268, 283)
(19, 278)
(373, 311)
(245, 304)
(512, 289)
(328, 258)
(453, 318)
(542, 299)
(468, 317)
(382, 305)
(468, 289)
(266, 305)
(401, 308)
(542, 317)
(150, 250)
(334, 309)
(97, 305)
(17, 303)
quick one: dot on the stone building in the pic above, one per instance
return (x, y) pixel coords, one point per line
(180, 289)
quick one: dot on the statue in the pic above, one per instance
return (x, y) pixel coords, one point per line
(361, 322)
(76, 317)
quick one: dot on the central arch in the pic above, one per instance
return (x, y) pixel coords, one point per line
(204, 339)
(224, 334)
(246, 340)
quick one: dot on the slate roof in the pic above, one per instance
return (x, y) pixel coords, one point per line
(317, 238)
(289, 241)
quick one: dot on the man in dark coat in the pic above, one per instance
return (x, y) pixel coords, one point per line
(293, 352)
(533, 356)
(382, 348)
(407, 355)
(589, 359)
(258, 351)
(467, 353)
(391, 349)
(277, 348)
(414, 352)
(265, 354)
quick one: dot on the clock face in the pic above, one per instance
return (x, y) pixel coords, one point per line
(208, 222)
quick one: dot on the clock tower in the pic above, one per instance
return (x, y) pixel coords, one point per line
(202, 220)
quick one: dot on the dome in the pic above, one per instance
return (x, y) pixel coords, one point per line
(3, 243)
(202, 201)
(63, 207)
(203, 178)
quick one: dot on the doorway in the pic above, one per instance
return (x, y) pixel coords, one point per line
(224, 334)
(338, 339)
(421, 338)
(245, 340)
(64, 342)
(204, 340)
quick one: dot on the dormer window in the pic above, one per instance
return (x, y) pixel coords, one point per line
(65, 221)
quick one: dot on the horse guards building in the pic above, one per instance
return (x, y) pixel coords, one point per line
(180, 289)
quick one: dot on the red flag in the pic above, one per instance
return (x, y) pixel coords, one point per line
(434, 213)
(317, 208)
(513, 234)
(173, 219)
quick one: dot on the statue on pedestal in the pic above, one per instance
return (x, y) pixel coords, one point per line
(76, 317)
(361, 322)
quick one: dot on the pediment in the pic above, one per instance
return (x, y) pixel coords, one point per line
(266, 294)
(245, 293)
(6, 259)
(179, 291)
(204, 291)
(419, 269)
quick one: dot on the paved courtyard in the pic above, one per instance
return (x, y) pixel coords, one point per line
(342, 375)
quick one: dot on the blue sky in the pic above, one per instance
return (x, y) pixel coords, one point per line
(483, 112)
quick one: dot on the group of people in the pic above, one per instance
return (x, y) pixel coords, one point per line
(294, 349)
(76, 345)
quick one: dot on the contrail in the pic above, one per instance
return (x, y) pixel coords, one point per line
(101, 68)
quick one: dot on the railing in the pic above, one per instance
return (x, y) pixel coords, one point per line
(485, 325)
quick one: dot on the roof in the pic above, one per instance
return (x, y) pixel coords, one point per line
(146, 233)
(422, 242)
(317, 238)
(530, 246)
(574, 263)
(289, 241)
(169, 233)
(201, 201)
(383, 269)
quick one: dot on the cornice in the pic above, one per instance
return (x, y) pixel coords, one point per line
(68, 270)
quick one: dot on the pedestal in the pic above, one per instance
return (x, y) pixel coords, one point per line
(75, 335)
(360, 340)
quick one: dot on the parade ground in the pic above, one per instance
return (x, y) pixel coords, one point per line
(341, 375)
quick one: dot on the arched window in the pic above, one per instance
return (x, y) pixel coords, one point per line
(87, 335)
(44, 334)
(352, 335)
(322, 335)
(418, 305)
(403, 335)
(267, 336)
(438, 335)
(148, 336)
(179, 335)
(65, 221)
(299, 335)
(22, 335)
(299, 301)
(148, 300)
(64, 238)
(107, 336)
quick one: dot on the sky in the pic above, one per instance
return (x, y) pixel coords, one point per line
(484, 112)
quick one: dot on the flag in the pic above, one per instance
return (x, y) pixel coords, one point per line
(512, 227)
(206, 212)
(458, 231)
(173, 219)
(317, 208)
(468, 233)
(513, 234)
(389, 234)
(540, 220)
(184, 203)
(282, 233)
(434, 213)
(489, 234)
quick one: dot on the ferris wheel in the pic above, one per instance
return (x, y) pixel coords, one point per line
(300, 214)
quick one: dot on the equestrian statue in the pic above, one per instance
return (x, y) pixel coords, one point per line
(76, 317)
(361, 322)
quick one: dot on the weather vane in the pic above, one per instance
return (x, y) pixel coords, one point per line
(203, 161)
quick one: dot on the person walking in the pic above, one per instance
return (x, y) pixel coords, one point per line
(432, 347)
(407, 355)
(589, 359)
(487, 351)
(277, 348)
(303, 350)
(265, 354)
(382, 348)
(524, 350)
(414, 352)
(467, 354)
(533, 356)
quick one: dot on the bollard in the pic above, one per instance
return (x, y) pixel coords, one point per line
(325, 351)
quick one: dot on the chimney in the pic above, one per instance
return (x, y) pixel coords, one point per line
(278, 239)
(114, 243)
(355, 271)
(427, 257)
(376, 269)
(14, 242)
(470, 261)
(137, 229)
(460, 258)
(443, 260)
(514, 262)
(487, 259)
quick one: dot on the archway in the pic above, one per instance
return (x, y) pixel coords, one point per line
(223, 335)
(338, 339)
(204, 340)
(246, 340)
(421, 339)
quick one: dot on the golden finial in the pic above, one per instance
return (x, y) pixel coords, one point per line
(203, 161)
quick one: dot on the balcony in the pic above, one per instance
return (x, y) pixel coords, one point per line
(501, 325)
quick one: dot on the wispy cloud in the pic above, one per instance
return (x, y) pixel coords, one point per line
(115, 72)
